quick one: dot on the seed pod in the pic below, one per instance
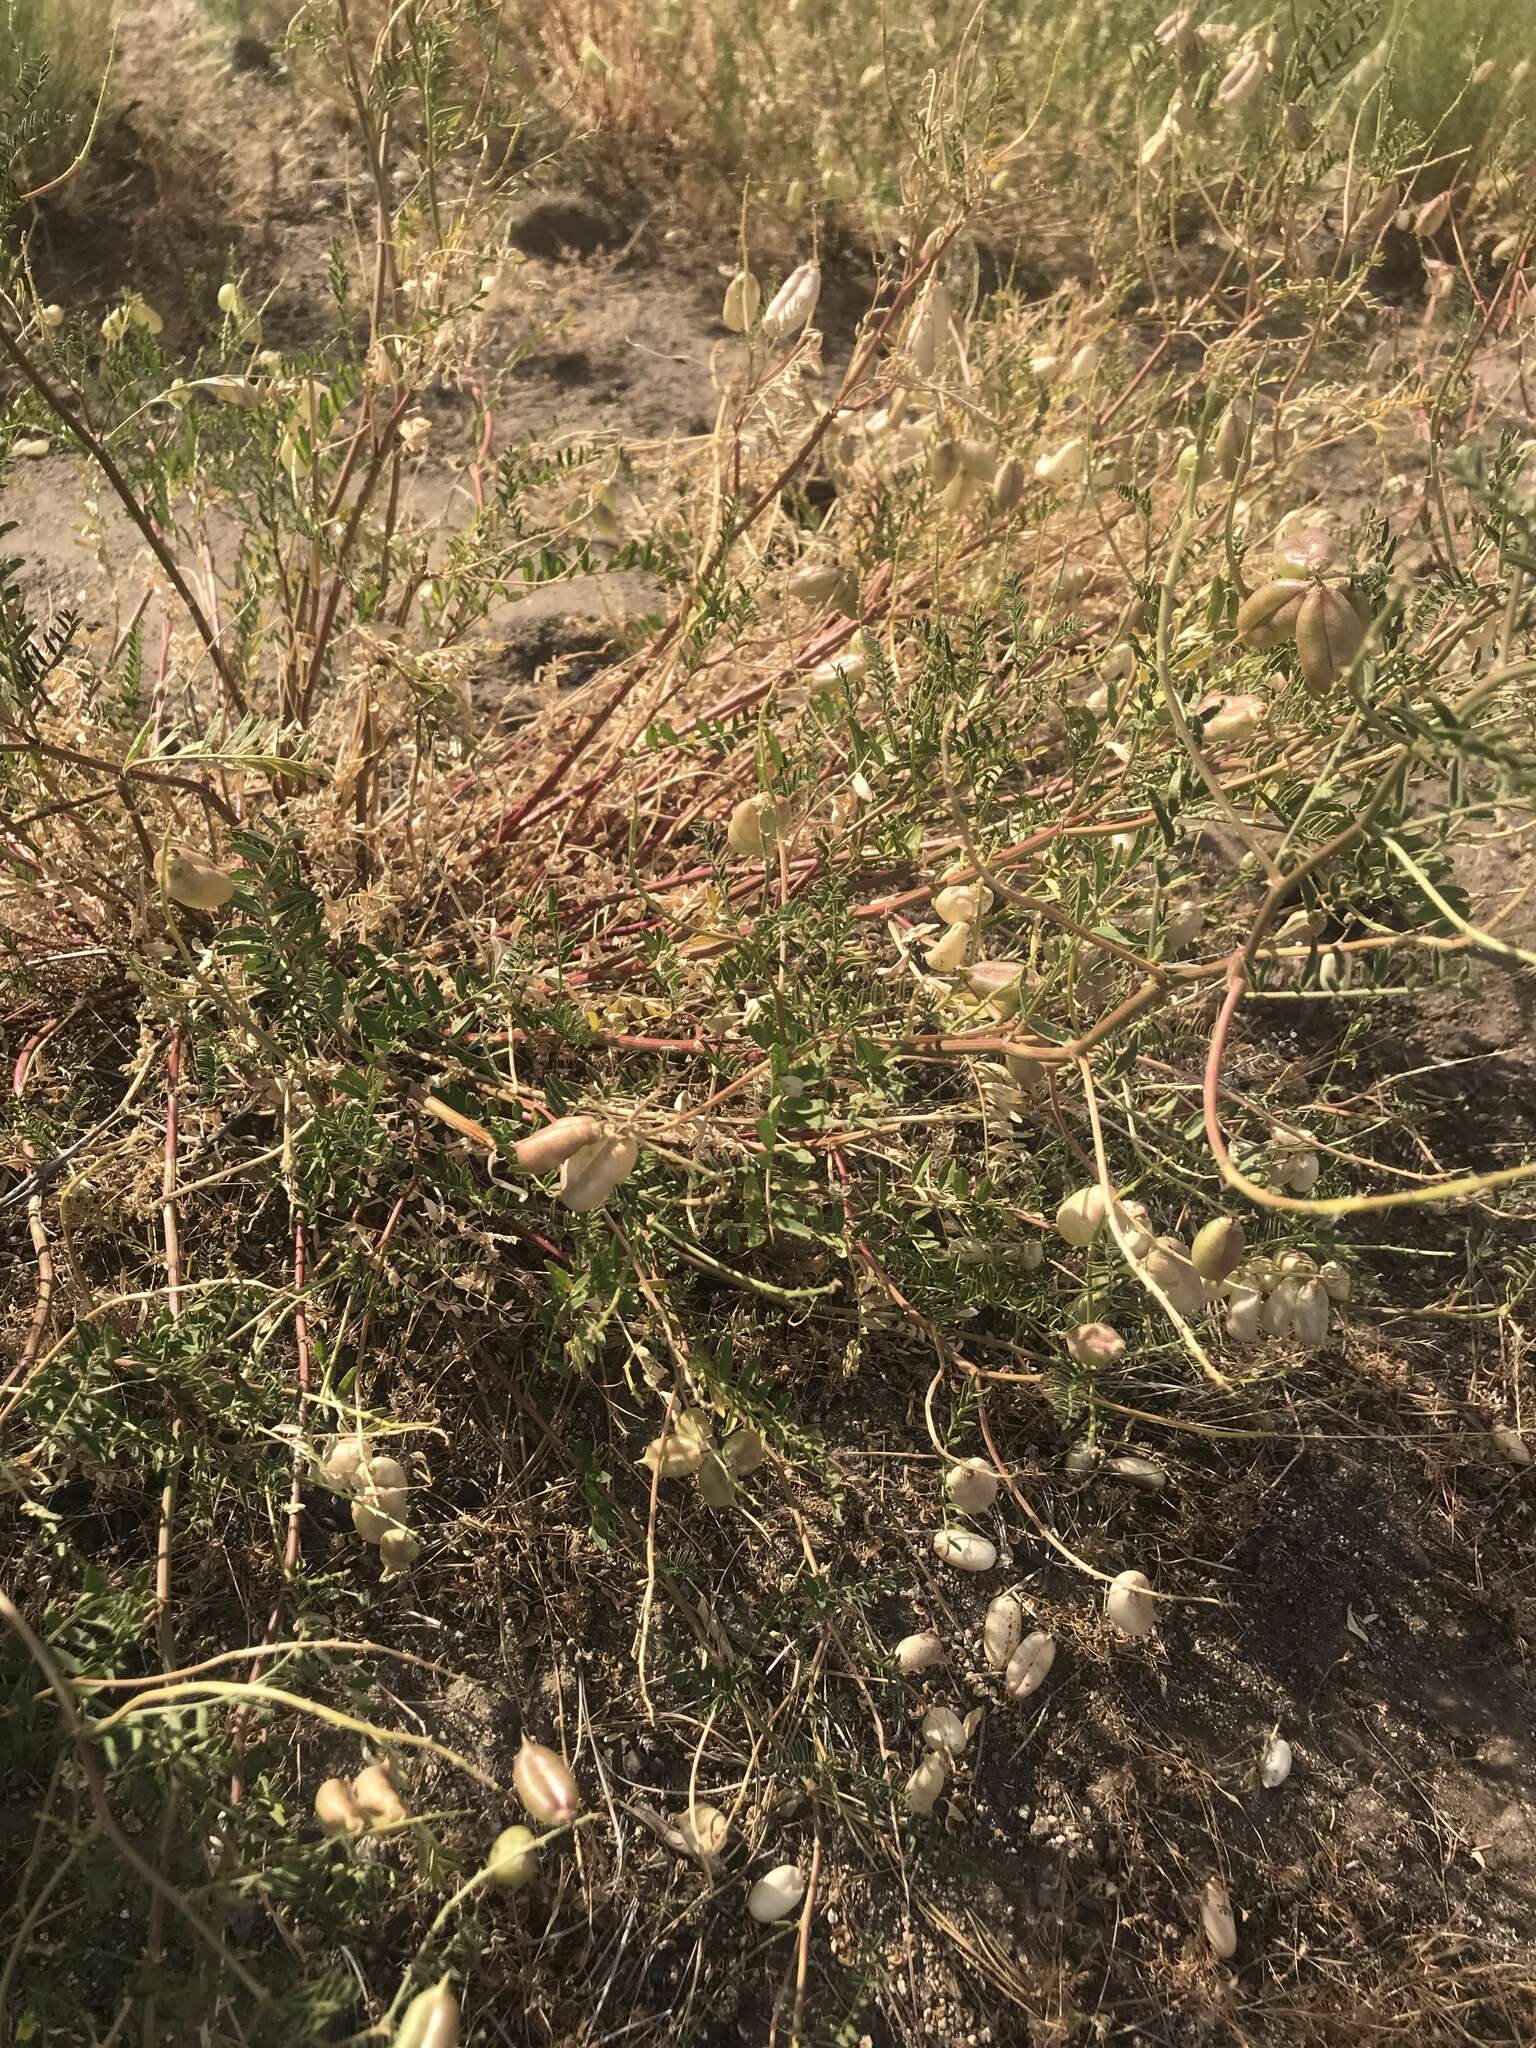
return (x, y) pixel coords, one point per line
(971, 1485)
(1085, 362)
(1378, 215)
(917, 1653)
(744, 1450)
(1328, 637)
(543, 1782)
(754, 826)
(743, 302)
(1231, 718)
(551, 1146)
(705, 1829)
(1432, 216)
(398, 1551)
(673, 1457)
(964, 1550)
(717, 1488)
(1335, 1279)
(1168, 1265)
(1096, 1345)
(1506, 250)
(1144, 1473)
(194, 883)
(1029, 1666)
(998, 982)
(343, 1462)
(1216, 1918)
(1275, 1762)
(1243, 80)
(590, 1176)
(1128, 1603)
(1025, 1073)
(1267, 617)
(1135, 1228)
(792, 304)
(374, 1516)
(944, 1730)
(948, 951)
(776, 1896)
(431, 2020)
(962, 904)
(1309, 1316)
(1083, 1460)
(1001, 1630)
(1008, 484)
(977, 460)
(944, 460)
(514, 1859)
(1511, 1445)
(337, 1810)
(1081, 1216)
(1232, 438)
(928, 336)
(376, 1797)
(1067, 464)
(1279, 1317)
(1245, 1310)
(927, 1782)
(1219, 1248)
(815, 583)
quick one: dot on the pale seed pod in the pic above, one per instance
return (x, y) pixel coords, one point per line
(717, 1488)
(1183, 926)
(971, 1485)
(1168, 1264)
(1085, 361)
(431, 2020)
(1279, 1317)
(705, 1829)
(792, 304)
(916, 1653)
(513, 1862)
(1335, 1279)
(1216, 1918)
(1143, 1473)
(1267, 616)
(1001, 1630)
(1029, 1666)
(1296, 1265)
(1081, 1216)
(1432, 216)
(1275, 1763)
(948, 951)
(1232, 439)
(1506, 250)
(1328, 637)
(343, 1461)
(554, 1143)
(336, 1809)
(1231, 718)
(1511, 1445)
(929, 333)
(50, 316)
(1245, 1309)
(1378, 215)
(376, 1798)
(1096, 1345)
(962, 904)
(1219, 1248)
(776, 1896)
(1309, 1313)
(754, 826)
(1083, 1460)
(1008, 484)
(543, 1782)
(398, 1551)
(590, 1176)
(743, 1450)
(1026, 1074)
(374, 1516)
(1128, 1603)
(944, 1730)
(194, 883)
(381, 1474)
(997, 982)
(1067, 464)
(977, 460)
(927, 1782)
(743, 302)
(944, 460)
(676, 1457)
(814, 583)
(1243, 80)
(964, 1550)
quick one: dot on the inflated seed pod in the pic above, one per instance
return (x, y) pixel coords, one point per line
(590, 1176)
(1267, 617)
(999, 982)
(193, 882)
(776, 1896)
(1082, 1460)
(1274, 1763)
(1432, 216)
(1328, 637)
(927, 1782)
(376, 1797)
(743, 1450)
(1168, 1264)
(1008, 484)
(947, 953)
(1136, 1228)
(1045, 366)
(1085, 361)
(792, 305)
(1001, 1630)
(1245, 1313)
(1096, 1345)
(1219, 1248)
(705, 1829)
(1335, 1278)
(1217, 1919)
(717, 1486)
(754, 826)
(971, 1485)
(343, 1461)
(673, 1457)
(944, 460)
(1279, 1316)
(815, 583)
(962, 903)
(1309, 1313)
(551, 1146)
(918, 1652)
(1067, 464)
(1081, 1216)
(337, 1810)
(544, 1783)
(1128, 1603)
(1027, 1075)
(1510, 1445)
(743, 302)
(1378, 215)
(514, 1859)
(1242, 80)
(431, 2020)
(965, 1550)
(944, 1730)
(399, 1548)
(1144, 1473)
(928, 335)
(1029, 1666)
(1232, 438)
(977, 460)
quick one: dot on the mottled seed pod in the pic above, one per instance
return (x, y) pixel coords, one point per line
(377, 1800)
(1267, 617)
(1096, 1345)
(543, 1782)
(776, 1896)
(1328, 637)
(431, 2020)
(514, 1859)
(1219, 1248)
(337, 1810)
(1001, 1630)
(927, 1782)
(743, 301)
(1217, 1919)
(971, 1485)
(552, 1145)
(793, 303)
(1128, 1603)
(1029, 1666)
(963, 1549)
(590, 1176)
(917, 1652)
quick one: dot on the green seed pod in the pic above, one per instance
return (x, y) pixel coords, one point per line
(1328, 637)
(543, 1782)
(431, 2020)
(398, 1550)
(1219, 1248)
(743, 1450)
(1268, 616)
(514, 1859)
(717, 1487)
